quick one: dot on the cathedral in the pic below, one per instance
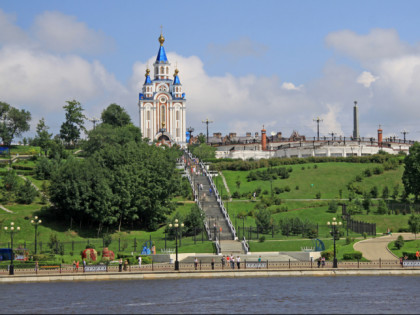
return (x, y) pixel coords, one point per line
(162, 103)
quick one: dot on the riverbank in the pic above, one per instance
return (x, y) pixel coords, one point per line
(206, 274)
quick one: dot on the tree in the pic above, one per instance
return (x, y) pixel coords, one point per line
(385, 192)
(412, 171)
(202, 138)
(263, 220)
(10, 181)
(43, 137)
(332, 206)
(374, 192)
(26, 193)
(116, 116)
(12, 122)
(382, 208)
(399, 243)
(204, 151)
(70, 129)
(194, 220)
(414, 224)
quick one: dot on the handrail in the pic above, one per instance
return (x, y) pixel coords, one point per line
(216, 192)
(218, 248)
(245, 245)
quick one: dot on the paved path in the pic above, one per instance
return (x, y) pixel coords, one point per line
(7, 210)
(375, 248)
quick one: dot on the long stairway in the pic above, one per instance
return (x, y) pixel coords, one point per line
(215, 219)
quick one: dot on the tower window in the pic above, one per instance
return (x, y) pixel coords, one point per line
(148, 115)
(177, 115)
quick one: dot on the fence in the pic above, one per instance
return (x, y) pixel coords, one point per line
(209, 266)
(357, 226)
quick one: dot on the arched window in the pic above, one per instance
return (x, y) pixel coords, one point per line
(177, 115)
(167, 70)
(162, 115)
(148, 115)
(162, 70)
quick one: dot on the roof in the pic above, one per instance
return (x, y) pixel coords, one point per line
(161, 56)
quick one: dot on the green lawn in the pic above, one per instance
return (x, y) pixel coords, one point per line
(410, 246)
(327, 178)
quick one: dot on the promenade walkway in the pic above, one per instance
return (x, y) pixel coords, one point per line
(377, 248)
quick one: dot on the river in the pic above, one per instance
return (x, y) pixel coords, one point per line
(340, 294)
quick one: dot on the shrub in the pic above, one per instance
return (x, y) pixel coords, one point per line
(399, 243)
(332, 206)
(327, 254)
(261, 239)
(318, 195)
(235, 195)
(287, 188)
(352, 256)
(297, 187)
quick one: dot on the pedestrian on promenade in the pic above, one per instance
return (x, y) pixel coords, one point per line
(125, 265)
(139, 261)
(323, 262)
(212, 263)
(195, 263)
(36, 266)
(228, 260)
(232, 261)
(77, 266)
(74, 266)
(319, 262)
(259, 261)
(238, 262)
(401, 261)
(84, 264)
(417, 254)
(223, 262)
(210, 191)
(120, 263)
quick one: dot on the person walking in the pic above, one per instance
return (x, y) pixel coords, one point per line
(120, 264)
(323, 262)
(195, 263)
(417, 254)
(84, 264)
(319, 262)
(77, 266)
(212, 264)
(232, 262)
(228, 260)
(139, 259)
(238, 262)
(74, 266)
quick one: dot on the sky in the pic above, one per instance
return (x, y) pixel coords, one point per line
(243, 64)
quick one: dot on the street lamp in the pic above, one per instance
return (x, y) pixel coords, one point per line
(334, 233)
(176, 225)
(12, 231)
(35, 222)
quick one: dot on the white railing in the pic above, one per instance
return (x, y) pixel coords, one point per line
(216, 192)
(245, 245)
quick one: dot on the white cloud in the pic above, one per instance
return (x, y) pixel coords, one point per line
(366, 79)
(9, 32)
(62, 33)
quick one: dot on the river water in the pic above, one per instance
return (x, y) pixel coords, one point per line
(341, 294)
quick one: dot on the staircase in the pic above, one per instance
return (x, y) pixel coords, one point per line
(210, 207)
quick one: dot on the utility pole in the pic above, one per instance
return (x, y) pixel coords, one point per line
(404, 132)
(318, 120)
(207, 122)
(94, 120)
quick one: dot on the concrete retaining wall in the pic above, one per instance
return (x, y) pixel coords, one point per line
(216, 274)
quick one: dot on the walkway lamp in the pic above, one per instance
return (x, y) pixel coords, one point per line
(176, 225)
(36, 222)
(334, 232)
(12, 231)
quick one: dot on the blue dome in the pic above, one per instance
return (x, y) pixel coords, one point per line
(176, 80)
(161, 57)
(148, 81)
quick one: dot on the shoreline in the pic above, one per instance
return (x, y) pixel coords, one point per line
(206, 274)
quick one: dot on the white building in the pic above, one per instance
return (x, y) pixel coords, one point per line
(162, 103)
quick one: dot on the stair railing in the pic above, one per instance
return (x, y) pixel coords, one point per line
(219, 201)
(245, 245)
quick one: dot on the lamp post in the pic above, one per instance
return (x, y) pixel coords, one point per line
(36, 222)
(12, 231)
(334, 232)
(176, 225)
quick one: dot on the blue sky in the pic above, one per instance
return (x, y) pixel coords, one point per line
(242, 63)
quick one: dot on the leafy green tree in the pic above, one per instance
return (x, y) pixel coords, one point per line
(26, 193)
(74, 123)
(374, 192)
(399, 243)
(263, 220)
(10, 181)
(414, 224)
(204, 151)
(366, 202)
(385, 192)
(43, 137)
(13, 122)
(116, 116)
(382, 208)
(194, 221)
(202, 138)
(411, 173)
(396, 191)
